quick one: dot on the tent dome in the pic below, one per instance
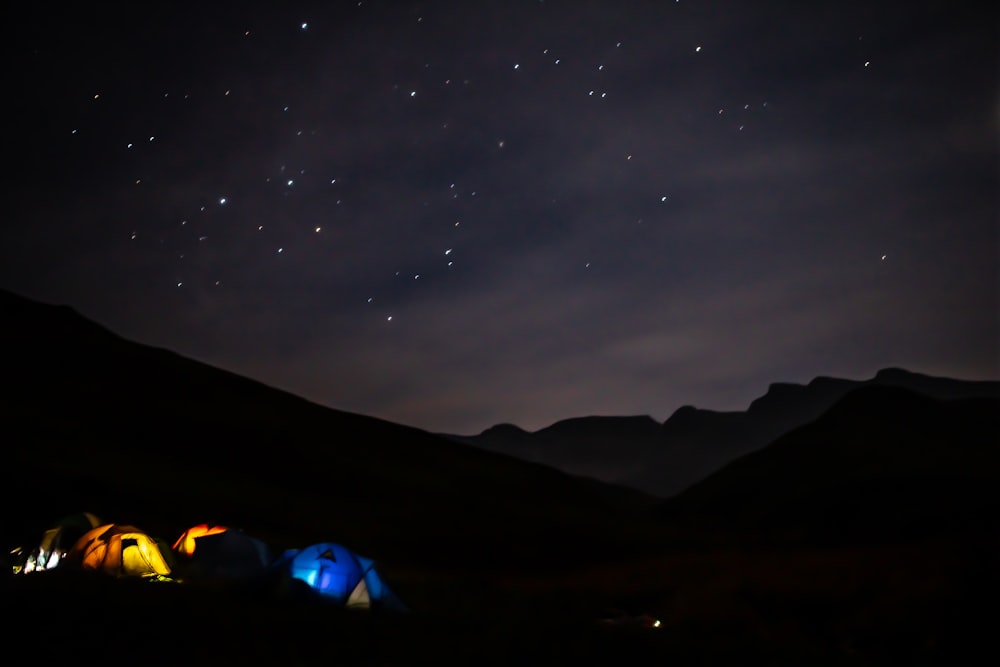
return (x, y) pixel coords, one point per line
(55, 542)
(338, 573)
(210, 550)
(120, 550)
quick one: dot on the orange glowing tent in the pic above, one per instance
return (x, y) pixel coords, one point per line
(209, 550)
(120, 550)
(187, 542)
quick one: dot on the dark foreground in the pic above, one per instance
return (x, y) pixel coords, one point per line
(867, 536)
(902, 605)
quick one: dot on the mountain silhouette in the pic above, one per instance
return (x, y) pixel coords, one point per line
(665, 458)
(883, 463)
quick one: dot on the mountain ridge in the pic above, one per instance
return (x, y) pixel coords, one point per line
(664, 458)
(657, 459)
(884, 462)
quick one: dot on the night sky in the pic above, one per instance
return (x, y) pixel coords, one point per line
(455, 214)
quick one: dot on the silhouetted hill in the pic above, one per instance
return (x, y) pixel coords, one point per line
(580, 445)
(883, 464)
(664, 459)
(144, 436)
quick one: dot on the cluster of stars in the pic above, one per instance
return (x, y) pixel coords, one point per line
(304, 201)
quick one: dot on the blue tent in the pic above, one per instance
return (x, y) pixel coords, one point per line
(335, 572)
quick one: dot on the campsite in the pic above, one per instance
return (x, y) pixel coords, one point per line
(868, 536)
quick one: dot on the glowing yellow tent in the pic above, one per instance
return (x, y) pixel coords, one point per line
(120, 550)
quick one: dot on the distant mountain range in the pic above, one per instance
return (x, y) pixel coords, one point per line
(664, 459)
(71, 386)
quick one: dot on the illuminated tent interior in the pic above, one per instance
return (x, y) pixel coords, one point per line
(186, 544)
(56, 541)
(339, 574)
(121, 551)
(211, 550)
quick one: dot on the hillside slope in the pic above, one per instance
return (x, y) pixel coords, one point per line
(884, 464)
(144, 436)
